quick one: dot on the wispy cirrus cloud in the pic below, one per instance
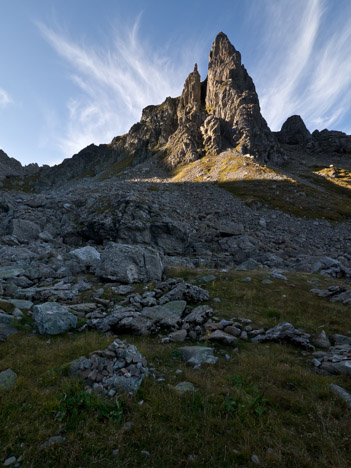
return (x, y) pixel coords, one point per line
(305, 65)
(5, 98)
(115, 84)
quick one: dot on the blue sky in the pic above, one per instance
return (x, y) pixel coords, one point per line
(80, 72)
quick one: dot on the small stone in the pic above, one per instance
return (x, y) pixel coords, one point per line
(7, 380)
(145, 452)
(184, 387)
(255, 460)
(266, 281)
(10, 461)
(246, 280)
(115, 452)
(179, 371)
(53, 440)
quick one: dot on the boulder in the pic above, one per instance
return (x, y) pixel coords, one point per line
(9, 272)
(186, 292)
(228, 228)
(87, 255)
(322, 341)
(53, 319)
(6, 331)
(196, 355)
(342, 340)
(342, 393)
(130, 264)
(199, 315)
(178, 335)
(165, 316)
(184, 387)
(7, 380)
(219, 336)
(24, 230)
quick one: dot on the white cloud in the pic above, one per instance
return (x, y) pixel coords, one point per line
(115, 84)
(305, 67)
(5, 98)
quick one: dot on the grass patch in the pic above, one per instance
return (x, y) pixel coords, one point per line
(265, 400)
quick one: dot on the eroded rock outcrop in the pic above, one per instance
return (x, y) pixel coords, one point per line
(232, 101)
(220, 113)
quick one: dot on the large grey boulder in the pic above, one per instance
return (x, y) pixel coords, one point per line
(53, 319)
(87, 255)
(24, 230)
(165, 316)
(130, 264)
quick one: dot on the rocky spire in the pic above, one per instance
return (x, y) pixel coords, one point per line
(186, 143)
(232, 101)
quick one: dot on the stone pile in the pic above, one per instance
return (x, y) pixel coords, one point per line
(285, 332)
(119, 368)
(163, 309)
(335, 294)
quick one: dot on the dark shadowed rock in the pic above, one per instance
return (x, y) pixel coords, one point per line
(294, 132)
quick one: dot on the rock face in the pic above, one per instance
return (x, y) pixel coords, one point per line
(9, 166)
(186, 142)
(294, 132)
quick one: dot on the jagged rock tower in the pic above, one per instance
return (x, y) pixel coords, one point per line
(220, 113)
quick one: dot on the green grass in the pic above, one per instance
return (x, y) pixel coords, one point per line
(265, 400)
